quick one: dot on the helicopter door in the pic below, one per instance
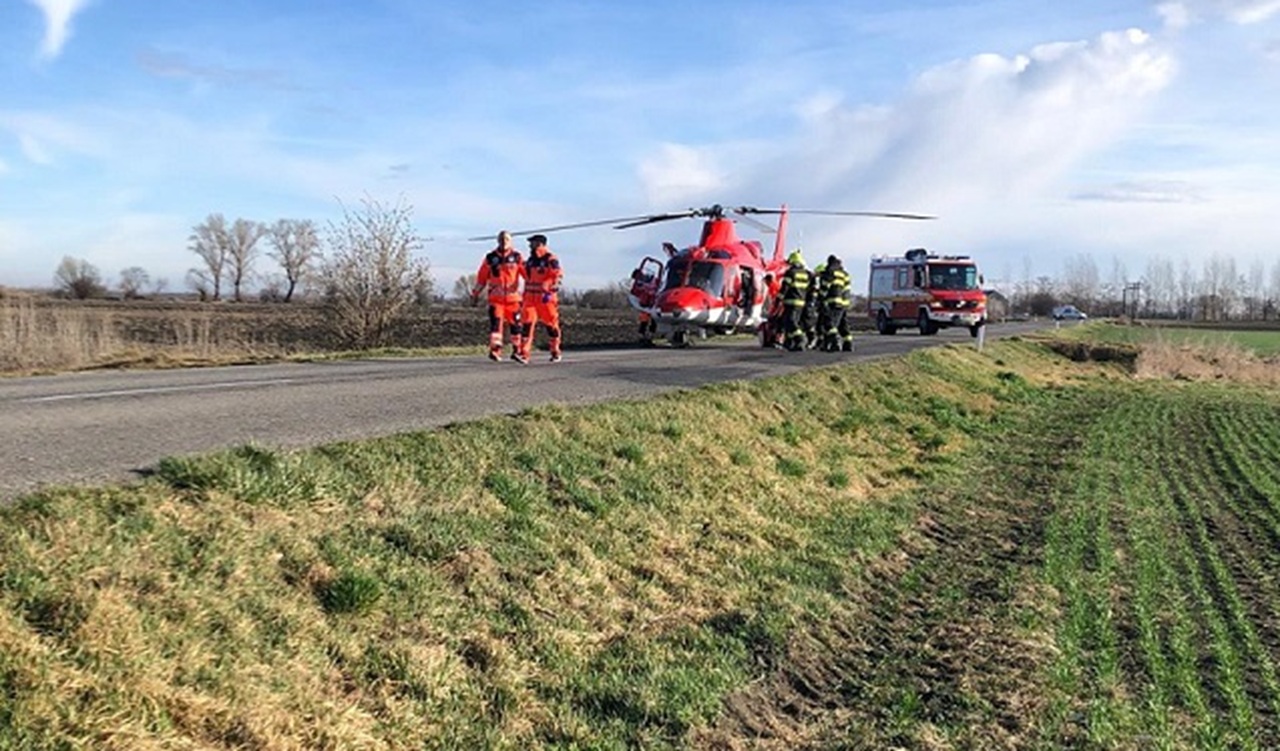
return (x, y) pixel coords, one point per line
(645, 281)
(747, 290)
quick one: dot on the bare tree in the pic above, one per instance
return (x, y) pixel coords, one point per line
(613, 296)
(271, 288)
(78, 279)
(1186, 290)
(1219, 288)
(1114, 290)
(297, 249)
(212, 242)
(1256, 291)
(132, 281)
(1161, 287)
(462, 289)
(1042, 300)
(1022, 293)
(372, 279)
(199, 281)
(1080, 279)
(1273, 293)
(242, 252)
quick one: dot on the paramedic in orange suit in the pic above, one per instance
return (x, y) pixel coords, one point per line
(541, 302)
(500, 273)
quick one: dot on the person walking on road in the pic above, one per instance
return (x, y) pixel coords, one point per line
(541, 297)
(501, 273)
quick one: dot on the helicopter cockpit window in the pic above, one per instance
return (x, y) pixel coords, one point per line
(708, 277)
(676, 271)
(953, 276)
(704, 275)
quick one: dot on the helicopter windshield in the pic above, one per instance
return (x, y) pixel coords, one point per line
(953, 276)
(704, 275)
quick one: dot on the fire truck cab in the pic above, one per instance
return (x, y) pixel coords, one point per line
(927, 291)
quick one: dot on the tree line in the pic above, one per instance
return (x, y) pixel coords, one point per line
(228, 255)
(1217, 290)
(366, 268)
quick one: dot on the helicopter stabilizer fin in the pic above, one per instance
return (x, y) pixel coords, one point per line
(780, 242)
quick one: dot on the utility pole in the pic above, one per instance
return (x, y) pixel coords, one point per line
(1131, 289)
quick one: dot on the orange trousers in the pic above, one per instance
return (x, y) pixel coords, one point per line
(548, 314)
(504, 312)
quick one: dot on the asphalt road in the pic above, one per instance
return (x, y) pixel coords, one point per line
(111, 426)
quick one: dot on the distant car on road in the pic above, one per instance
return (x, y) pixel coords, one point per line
(1068, 313)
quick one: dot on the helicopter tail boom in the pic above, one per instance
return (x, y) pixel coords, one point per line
(780, 242)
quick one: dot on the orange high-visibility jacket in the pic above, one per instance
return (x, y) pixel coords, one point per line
(501, 272)
(542, 275)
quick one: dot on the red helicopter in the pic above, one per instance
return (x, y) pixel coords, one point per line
(722, 285)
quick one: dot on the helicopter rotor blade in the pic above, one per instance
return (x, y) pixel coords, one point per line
(556, 228)
(658, 218)
(711, 212)
(822, 212)
(758, 224)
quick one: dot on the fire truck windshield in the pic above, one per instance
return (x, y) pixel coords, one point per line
(953, 276)
(704, 275)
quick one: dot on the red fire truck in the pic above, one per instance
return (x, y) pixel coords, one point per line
(927, 291)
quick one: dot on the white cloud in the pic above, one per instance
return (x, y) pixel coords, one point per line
(41, 136)
(818, 106)
(33, 150)
(984, 142)
(987, 127)
(57, 18)
(1249, 11)
(1182, 13)
(1152, 191)
(176, 65)
(678, 173)
(1176, 15)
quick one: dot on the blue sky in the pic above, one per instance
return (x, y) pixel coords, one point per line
(1035, 131)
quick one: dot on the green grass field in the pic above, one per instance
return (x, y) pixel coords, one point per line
(1006, 549)
(1265, 343)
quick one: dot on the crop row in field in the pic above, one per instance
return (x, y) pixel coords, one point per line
(1163, 548)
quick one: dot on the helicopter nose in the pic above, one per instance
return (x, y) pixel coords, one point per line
(684, 302)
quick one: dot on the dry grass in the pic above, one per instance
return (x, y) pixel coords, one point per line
(1211, 360)
(34, 339)
(43, 335)
(42, 339)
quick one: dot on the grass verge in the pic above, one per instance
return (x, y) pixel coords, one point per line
(955, 549)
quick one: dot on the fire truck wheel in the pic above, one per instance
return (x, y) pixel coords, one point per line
(883, 327)
(927, 327)
(975, 329)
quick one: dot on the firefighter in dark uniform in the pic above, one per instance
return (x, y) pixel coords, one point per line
(814, 314)
(837, 295)
(795, 290)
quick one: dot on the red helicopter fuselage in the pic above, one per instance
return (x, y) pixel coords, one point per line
(721, 285)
